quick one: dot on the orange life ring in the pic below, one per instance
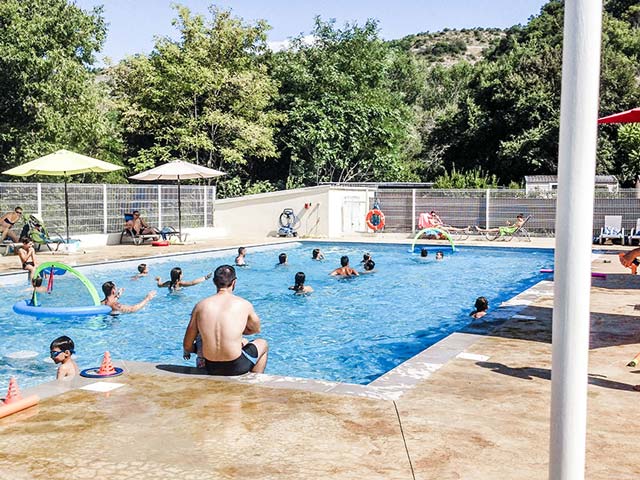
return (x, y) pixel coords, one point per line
(160, 243)
(370, 215)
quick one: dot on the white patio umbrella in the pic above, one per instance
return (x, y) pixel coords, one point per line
(177, 170)
(65, 163)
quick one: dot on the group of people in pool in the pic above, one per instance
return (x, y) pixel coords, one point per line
(218, 324)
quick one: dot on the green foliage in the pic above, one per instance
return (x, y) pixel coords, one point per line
(470, 179)
(49, 97)
(203, 98)
(348, 110)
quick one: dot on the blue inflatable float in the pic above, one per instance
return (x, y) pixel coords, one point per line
(31, 307)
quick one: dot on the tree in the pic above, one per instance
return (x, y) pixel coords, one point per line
(202, 98)
(348, 110)
(49, 97)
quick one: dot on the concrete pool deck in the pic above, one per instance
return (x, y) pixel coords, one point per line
(482, 414)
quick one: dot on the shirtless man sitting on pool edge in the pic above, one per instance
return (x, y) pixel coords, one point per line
(221, 320)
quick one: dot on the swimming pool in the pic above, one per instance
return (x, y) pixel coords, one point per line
(348, 330)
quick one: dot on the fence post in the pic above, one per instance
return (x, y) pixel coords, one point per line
(105, 216)
(413, 210)
(159, 207)
(206, 199)
(486, 210)
(39, 198)
(213, 209)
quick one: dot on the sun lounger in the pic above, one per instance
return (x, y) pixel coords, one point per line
(635, 233)
(612, 229)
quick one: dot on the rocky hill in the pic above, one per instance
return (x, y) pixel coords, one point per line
(451, 46)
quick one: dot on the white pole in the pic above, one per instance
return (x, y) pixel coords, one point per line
(105, 213)
(486, 209)
(413, 210)
(39, 198)
(574, 224)
(205, 192)
(159, 207)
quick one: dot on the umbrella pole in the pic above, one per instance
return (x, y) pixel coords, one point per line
(179, 211)
(66, 205)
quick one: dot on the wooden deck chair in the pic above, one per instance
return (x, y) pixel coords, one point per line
(635, 233)
(612, 229)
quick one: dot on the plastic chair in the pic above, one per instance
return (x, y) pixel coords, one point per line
(612, 229)
(635, 233)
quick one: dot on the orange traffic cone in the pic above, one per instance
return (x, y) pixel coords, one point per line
(107, 367)
(14, 402)
(13, 393)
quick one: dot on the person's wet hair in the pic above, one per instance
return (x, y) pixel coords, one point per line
(299, 281)
(63, 343)
(369, 265)
(36, 282)
(224, 276)
(176, 273)
(366, 257)
(282, 258)
(25, 240)
(315, 253)
(424, 252)
(344, 260)
(142, 267)
(481, 305)
(241, 250)
(107, 288)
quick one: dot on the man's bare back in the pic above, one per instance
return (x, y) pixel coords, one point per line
(221, 320)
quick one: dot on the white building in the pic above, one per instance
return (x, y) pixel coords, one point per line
(549, 183)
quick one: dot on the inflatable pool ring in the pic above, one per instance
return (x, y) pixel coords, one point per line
(160, 243)
(23, 307)
(32, 308)
(375, 219)
(94, 373)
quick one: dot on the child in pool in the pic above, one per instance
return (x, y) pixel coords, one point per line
(61, 350)
(439, 255)
(482, 305)
(316, 254)
(369, 266)
(240, 259)
(299, 286)
(282, 260)
(143, 271)
(176, 282)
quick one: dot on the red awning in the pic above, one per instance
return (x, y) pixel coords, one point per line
(630, 116)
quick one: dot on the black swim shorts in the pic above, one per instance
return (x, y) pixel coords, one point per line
(241, 365)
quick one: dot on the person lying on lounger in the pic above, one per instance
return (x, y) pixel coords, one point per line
(510, 229)
(138, 226)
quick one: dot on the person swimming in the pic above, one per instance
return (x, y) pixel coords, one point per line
(439, 255)
(299, 287)
(240, 259)
(481, 305)
(424, 253)
(282, 260)
(369, 265)
(316, 254)
(176, 282)
(344, 269)
(365, 258)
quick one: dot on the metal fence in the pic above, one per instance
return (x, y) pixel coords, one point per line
(492, 208)
(100, 208)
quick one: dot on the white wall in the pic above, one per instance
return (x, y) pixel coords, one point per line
(258, 215)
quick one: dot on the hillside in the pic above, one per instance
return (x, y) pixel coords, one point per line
(450, 46)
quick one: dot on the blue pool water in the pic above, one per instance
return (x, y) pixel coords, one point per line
(349, 330)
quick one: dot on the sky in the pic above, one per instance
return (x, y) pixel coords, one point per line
(133, 24)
